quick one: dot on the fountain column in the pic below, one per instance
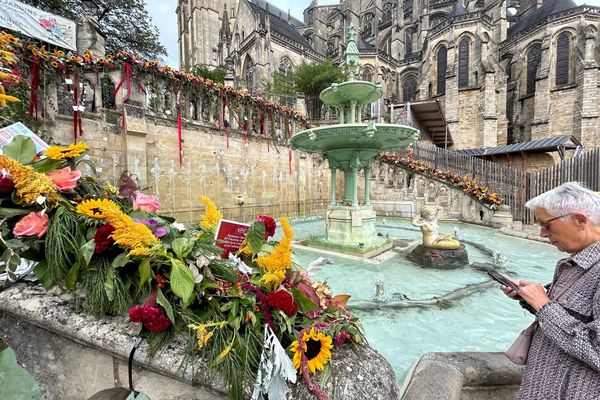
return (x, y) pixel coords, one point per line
(352, 118)
(333, 186)
(367, 170)
(349, 184)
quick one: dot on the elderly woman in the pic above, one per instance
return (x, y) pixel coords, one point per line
(564, 357)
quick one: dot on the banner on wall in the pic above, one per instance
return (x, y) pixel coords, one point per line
(38, 24)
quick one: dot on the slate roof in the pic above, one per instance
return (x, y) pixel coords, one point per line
(534, 146)
(363, 45)
(458, 9)
(280, 24)
(533, 17)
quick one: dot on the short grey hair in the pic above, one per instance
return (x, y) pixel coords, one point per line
(570, 197)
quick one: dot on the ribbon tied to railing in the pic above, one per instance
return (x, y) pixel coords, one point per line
(126, 78)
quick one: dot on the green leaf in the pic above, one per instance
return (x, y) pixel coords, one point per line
(121, 260)
(305, 303)
(48, 164)
(21, 149)
(41, 271)
(182, 280)
(255, 236)
(72, 276)
(109, 284)
(89, 163)
(182, 247)
(145, 272)
(162, 300)
(235, 307)
(87, 251)
(12, 212)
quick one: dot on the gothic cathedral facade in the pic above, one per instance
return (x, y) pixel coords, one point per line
(502, 71)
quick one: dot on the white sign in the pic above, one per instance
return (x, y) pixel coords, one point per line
(9, 132)
(39, 24)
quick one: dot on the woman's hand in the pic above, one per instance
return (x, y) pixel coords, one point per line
(533, 293)
(513, 294)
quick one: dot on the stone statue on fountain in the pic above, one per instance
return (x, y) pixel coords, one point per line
(436, 251)
(427, 221)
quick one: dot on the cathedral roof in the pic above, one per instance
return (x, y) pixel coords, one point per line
(279, 21)
(364, 45)
(534, 17)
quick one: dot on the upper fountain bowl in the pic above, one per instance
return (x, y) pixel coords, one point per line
(361, 92)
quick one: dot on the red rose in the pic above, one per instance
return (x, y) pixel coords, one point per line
(102, 238)
(270, 225)
(283, 301)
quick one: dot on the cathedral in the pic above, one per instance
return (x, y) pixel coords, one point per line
(469, 73)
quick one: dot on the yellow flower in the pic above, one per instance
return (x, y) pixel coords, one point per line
(4, 97)
(29, 184)
(211, 216)
(316, 347)
(94, 208)
(71, 151)
(280, 259)
(203, 335)
(226, 350)
(134, 236)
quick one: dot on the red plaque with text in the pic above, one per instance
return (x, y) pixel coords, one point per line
(230, 235)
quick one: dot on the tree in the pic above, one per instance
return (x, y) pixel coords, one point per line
(125, 23)
(215, 74)
(311, 79)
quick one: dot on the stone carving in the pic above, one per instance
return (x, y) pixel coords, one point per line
(427, 221)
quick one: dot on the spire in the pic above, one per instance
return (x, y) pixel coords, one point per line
(351, 58)
(225, 29)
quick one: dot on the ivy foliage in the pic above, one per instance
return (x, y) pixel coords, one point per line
(126, 24)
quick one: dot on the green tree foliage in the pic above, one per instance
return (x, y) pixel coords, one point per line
(215, 74)
(125, 23)
(311, 79)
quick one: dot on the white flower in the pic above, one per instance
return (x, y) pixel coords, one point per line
(178, 225)
(40, 200)
(239, 264)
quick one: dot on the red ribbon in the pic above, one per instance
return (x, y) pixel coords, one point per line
(127, 79)
(179, 138)
(35, 82)
(290, 150)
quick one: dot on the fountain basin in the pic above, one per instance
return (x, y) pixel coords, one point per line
(361, 92)
(346, 139)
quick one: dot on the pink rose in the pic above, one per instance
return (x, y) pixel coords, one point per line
(145, 203)
(64, 178)
(33, 224)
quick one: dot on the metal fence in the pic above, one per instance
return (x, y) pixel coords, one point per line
(515, 185)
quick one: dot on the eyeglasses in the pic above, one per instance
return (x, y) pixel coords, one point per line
(546, 225)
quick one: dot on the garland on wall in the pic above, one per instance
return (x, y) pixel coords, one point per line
(469, 186)
(38, 64)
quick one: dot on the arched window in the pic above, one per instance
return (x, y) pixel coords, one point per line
(285, 66)
(367, 75)
(463, 62)
(534, 57)
(407, 43)
(441, 70)
(387, 11)
(563, 44)
(367, 25)
(409, 88)
(408, 8)
(249, 72)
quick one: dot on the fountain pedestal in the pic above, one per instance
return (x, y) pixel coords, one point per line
(440, 259)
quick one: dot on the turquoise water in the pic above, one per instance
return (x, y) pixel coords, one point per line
(483, 321)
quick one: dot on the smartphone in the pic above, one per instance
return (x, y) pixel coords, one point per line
(498, 277)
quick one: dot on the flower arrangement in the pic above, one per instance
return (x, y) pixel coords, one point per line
(257, 317)
(469, 186)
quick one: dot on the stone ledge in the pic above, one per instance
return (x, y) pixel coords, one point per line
(459, 376)
(73, 355)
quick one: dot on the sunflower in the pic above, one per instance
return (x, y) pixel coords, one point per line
(71, 151)
(94, 208)
(316, 349)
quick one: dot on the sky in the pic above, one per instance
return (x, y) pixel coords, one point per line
(164, 17)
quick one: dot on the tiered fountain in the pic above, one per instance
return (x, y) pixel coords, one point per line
(352, 146)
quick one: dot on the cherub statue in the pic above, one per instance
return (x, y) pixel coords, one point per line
(427, 221)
